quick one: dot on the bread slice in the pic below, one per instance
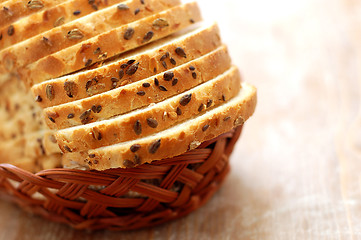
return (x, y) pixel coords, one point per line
(12, 10)
(139, 94)
(110, 44)
(155, 118)
(171, 142)
(47, 19)
(30, 164)
(32, 145)
(87, 27)
(19, 114)
(153, 58)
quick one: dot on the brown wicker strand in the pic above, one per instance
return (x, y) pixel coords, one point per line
(123, 199)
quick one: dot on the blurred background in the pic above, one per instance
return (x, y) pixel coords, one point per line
(296, 170)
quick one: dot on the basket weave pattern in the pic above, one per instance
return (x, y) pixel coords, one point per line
(123, 199)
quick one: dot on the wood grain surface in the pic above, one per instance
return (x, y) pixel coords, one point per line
(297, 168)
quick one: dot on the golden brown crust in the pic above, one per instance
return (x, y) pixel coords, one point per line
(136, 95)
(10, 11)
(47, 19)
(152, 119)
(78, 31)
(172, 142)
(111, 43)
(107, 77)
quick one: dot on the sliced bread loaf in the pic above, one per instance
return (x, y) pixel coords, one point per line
(12, 10)
(155, 118)
(153, 59)
(171, 142)
(47, 19)
(139, 94)
(72, 33)
(109, 44)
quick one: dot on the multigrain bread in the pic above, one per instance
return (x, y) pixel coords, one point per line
(12, 10)
(31, 145)
(154, 58)
(110, 44)
(32, 164)
(19, 114)
(155, 118)
(47, 19)
(171, 142)
(139, 94)
(75, 32)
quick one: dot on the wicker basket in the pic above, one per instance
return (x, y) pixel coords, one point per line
(123, 199)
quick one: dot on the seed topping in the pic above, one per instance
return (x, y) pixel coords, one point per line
(152, 123)
(153, 148)
(132, 69)
(128, 163)
(35, 4)
(179, 111)
(160, 23)
(185, 99)
(123, 7)
(146, 85)
(77, 12)
(71, 115)
(129, 33)
(11, 30)
(59, 21)
(148, 36)
(135, 147)
(70, 88)
(137, 127)
(205, 127)
(141, 93)
(180, 52)
(38, 99)
(75, 34)
(50, 93)
(168, 76)
(162, 88)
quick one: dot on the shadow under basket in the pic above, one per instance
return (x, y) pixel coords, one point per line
(123, 199)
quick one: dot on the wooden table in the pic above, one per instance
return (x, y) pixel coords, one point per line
(296, 171)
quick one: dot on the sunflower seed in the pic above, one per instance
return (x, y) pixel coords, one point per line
(123, 7)
(148, 36)
(77, 12)
(173, 61)
(137, 127)
(135, 147)
(160, 23)
(194, 75)
(132, 69)
(50, 93)
(162, 88)
(59, 21)
(141, 93)
(128, 33)
(146, 85)
(35, 4)
(156, 82)
(152, 123)
(180, 52)
(185, 99)
(136, 11)
(75, 34)
(205, 128)
(168, 76)
(153, 148)
(11, 30)
(179, 111)
(175, 81)
(70, 88)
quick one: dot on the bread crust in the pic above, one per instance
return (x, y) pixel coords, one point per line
(152, 119)
(128, 98)
(109, 44)
(172, 142)
(197, 45)
(78, 31)
(47, 19)
(12, 10)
